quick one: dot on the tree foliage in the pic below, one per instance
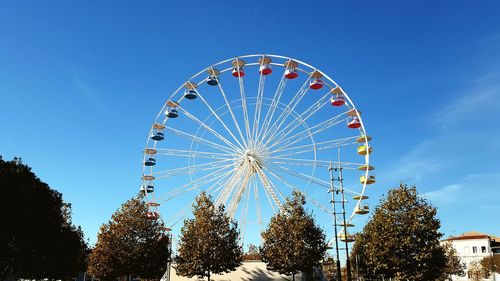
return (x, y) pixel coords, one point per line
(475, 271)
(401, 240)
(490, 264)
(130, 244)
(292, 241)
(454, 266)
(37, 237)
(209, 243)
(252, 254)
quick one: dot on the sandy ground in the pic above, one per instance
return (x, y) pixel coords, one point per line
(248, 271)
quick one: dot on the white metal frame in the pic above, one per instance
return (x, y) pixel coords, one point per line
(255, 153)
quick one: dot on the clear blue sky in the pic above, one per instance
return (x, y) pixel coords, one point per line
(80, 84)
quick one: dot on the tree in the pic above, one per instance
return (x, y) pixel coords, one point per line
(252, 254)
(37, 239)
(130, 245)
(453, 264)
(475, 271)
(490, 264)
(209, 243)
(292, 241)
(401, 240)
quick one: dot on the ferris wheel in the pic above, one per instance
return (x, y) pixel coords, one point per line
(249, 131)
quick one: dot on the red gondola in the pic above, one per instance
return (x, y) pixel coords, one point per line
(354, 123)
(316, 84)
(338, 101)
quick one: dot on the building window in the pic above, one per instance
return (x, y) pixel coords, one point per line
(474, 249)
(483, 249)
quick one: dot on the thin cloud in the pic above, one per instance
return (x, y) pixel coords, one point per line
(89, 93)
(417, 163)
(445, 195)
(481, 102)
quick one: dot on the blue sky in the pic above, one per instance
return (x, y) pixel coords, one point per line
(81, 83)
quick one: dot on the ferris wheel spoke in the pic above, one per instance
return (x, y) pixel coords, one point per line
(193, 154)
(269, 189)
(299, 162)
(302, 118)
(214, 113)
(312, 163)
(192, 185)
(231, 112)
(257, 206)
(295, 188)
(208, 128)
(307, 132)
(191, 169)
(287, 110)
(199, 140)
(229, 187)
(272, 108)
(244, 211)
(244, 105)
(238, 193)
(307, 148)
(302, 176)
(258, 107)
(178, 216)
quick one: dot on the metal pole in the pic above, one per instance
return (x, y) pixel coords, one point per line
(332, 191)
(347, 262)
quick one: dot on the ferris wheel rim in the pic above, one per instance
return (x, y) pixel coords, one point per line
(303, 70)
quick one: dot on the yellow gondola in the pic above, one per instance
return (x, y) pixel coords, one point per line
(366, 167)
(362, 150)
(362, 210)
(369, 180)
(346, 225)
(359, 197)
(364, 139)
(348, 239)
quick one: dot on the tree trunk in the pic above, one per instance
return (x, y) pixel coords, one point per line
(209, 276)
(293, 276)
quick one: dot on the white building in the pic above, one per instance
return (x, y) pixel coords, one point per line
(474, 246)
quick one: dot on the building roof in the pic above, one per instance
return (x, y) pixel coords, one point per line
(474, 235)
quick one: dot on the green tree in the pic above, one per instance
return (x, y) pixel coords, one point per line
(209, 243)
(37, 238)
(130, 245)
(401, 240)
(490, 264)
(292, 241)
(453, 264)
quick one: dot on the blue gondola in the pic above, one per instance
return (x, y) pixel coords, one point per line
(172, 113)
(147, 189)
(158, 136)
(150, 162)
(212, 81)
(190, 94)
